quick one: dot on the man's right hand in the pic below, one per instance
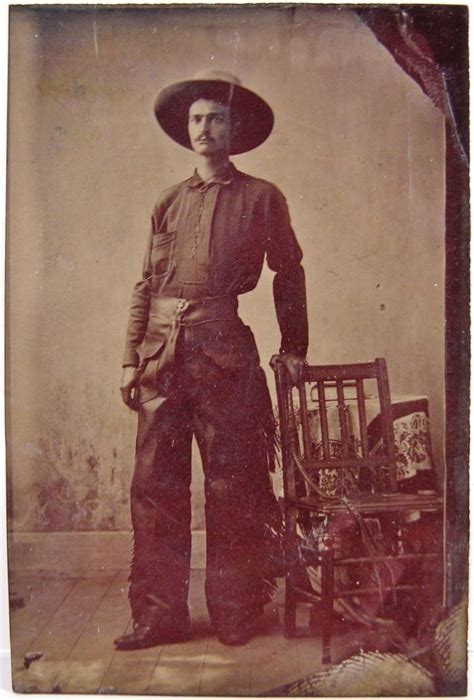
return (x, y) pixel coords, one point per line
(129, 386)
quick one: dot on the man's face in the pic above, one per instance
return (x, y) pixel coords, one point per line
(209, 128)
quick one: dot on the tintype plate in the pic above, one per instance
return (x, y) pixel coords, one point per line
(352, 118)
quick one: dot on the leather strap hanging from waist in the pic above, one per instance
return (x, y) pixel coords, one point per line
(167, 315)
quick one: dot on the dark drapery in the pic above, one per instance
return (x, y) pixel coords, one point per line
(430, 43)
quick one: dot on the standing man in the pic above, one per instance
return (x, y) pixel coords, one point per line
(191, 367)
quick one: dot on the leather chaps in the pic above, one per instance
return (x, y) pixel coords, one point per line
(208, 384)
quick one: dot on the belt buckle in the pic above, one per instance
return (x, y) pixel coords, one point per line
(182, 306)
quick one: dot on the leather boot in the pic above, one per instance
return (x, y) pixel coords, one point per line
(156, 627)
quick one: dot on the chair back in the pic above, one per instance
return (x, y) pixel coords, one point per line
(328, 447)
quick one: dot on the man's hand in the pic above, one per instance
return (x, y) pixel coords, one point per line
(293, 363)
(128, 386)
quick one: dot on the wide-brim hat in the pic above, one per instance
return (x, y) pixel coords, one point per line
(251, 115)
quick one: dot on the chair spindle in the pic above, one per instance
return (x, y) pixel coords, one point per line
(341, 407)
(304, 420)
(362, 417)
(323, 417)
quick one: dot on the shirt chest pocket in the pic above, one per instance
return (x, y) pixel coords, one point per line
(162, 249)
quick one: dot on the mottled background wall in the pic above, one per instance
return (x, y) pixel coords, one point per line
(357, 149)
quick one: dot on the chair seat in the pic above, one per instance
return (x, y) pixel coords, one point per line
(371, 504)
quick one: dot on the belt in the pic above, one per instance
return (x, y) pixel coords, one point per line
(190, 312)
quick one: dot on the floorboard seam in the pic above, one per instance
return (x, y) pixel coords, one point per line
(114, 652)
(85, 625)
(202, 666)
(152, 672)
(53, 613)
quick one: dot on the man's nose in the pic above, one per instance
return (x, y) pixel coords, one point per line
(205, 126)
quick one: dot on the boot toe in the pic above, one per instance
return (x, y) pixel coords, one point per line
(144, 636)
(141, 637)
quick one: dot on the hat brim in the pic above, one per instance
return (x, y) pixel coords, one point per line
(251, 115)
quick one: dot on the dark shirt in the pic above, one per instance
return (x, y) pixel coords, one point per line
(210, 239)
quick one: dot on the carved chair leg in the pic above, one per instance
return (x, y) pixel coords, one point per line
(327, 597)
(289, 623)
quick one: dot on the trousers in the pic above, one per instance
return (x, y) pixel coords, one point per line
(214, 389)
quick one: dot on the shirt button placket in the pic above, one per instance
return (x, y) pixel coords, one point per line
(197, 228)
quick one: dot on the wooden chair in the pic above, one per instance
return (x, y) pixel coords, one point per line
(332, 479)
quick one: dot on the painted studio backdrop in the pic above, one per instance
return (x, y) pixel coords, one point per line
(358, 149)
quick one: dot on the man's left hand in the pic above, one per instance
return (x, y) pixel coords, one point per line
(293, 363)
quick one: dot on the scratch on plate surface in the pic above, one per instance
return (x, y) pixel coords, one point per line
(96, 43)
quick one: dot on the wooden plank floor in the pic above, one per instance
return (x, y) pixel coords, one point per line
(73, 623)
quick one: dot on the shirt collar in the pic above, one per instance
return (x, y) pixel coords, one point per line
(224, 176)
